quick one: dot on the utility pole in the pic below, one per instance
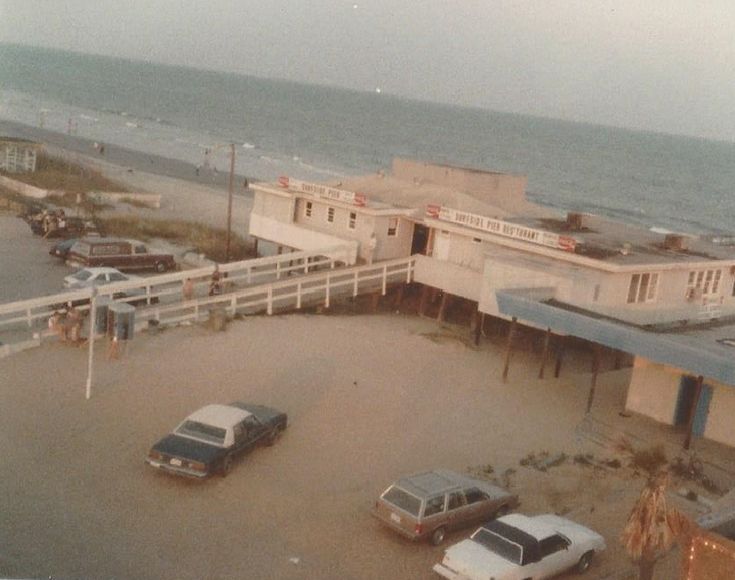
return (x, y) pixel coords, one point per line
(92, 332)
(229, 201)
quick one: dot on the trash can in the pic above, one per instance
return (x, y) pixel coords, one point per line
(121, 321)
(218, 318)
(100, 321)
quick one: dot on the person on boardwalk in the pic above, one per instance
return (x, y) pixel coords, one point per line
(74, 324)
(215, 284)
(371, 245)
(187, 290)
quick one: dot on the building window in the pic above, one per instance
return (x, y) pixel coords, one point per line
(642, 288)
(392, 227)
(353, 220)
(307, 209)
(706, 282)
(330, 214)
(477, 240)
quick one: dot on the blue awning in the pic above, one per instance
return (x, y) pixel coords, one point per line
(697, 352)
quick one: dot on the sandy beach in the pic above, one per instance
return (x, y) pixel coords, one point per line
(370, 398)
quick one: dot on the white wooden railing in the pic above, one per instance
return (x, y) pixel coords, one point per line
(286, 281)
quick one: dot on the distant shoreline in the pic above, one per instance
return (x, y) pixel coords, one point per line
(122, 156)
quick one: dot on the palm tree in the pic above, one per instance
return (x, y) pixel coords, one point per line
(652, 527)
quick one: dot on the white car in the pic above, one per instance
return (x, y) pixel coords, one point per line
(519, 547)
(88, 277)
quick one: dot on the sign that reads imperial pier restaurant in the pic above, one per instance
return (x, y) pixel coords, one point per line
(501, 228)
(323, 191)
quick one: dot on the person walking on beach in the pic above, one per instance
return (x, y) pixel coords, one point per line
(74, 324)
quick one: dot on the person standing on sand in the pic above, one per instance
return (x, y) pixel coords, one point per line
(187, 290)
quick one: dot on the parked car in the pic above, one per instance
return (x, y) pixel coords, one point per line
(429, 504)
(88, 277)
(61, 249)
(209, 440)
(518, 547)
(118, 253)
(65, 227)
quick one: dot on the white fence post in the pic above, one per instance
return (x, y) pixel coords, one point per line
(278, 270)
(298, 296)
(29, 317)
(270, 300)
(409, 270)
(326, 299)
(354, 285)
(385, 279)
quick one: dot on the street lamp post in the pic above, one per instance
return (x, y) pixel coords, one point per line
(229, 201)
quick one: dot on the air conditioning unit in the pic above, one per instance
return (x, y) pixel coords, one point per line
(693, 294)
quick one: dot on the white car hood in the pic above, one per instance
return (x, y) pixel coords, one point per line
(476, 562)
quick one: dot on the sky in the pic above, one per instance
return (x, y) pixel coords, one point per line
(659, 65)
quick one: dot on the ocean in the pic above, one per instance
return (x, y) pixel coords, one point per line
(319, 133)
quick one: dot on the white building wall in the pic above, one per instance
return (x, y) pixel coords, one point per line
(653, 390)
(451, 278)
(503, 276)
(720, 424)
(275, 207)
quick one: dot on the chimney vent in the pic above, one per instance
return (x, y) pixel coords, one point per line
(575, 221)
(675, 242)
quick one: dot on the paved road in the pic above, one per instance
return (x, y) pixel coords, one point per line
(26, 268)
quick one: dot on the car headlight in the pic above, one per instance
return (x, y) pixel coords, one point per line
(154, 455)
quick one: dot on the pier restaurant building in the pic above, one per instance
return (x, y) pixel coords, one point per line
(667, 299)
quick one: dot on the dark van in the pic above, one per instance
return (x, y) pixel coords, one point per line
(118, 253)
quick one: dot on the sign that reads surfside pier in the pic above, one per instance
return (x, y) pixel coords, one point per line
(323, 191)
(501, 228)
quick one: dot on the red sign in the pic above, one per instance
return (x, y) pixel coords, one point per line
(283, 181)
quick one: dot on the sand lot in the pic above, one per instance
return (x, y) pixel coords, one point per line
(369, 398)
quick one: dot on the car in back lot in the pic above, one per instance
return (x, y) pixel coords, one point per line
(61, 249)
(519, 547)
(209, 440)
(428, 505)
(118, 253)
(89, 277)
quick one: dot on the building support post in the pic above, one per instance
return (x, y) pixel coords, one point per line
(443, 306)
(399, 297)
(509, 348)
(559, 356)
(255, 246)
(595, 371)
(544, 353)
(693, 412)
(477, 319)
(424, 299)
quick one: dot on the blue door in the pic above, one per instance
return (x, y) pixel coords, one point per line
(702, 411)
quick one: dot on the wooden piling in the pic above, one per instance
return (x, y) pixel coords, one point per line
(544, 353)
(509, 348)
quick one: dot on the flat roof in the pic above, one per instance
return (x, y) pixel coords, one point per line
(223, 416)
(706, 348)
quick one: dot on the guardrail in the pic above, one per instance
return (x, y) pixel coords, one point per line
(290, 280)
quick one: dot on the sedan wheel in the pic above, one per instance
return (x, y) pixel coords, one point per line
(160, 267)
(227, 465)
(438, 536)
(584, 562)
(275, 435)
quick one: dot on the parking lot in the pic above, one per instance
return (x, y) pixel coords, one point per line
(370, 398)
(26, 268)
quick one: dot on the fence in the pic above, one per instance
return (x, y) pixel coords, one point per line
(287, 281)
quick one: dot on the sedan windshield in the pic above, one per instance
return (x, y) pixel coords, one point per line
(501, 546)
(83, 275)
(202, 432)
